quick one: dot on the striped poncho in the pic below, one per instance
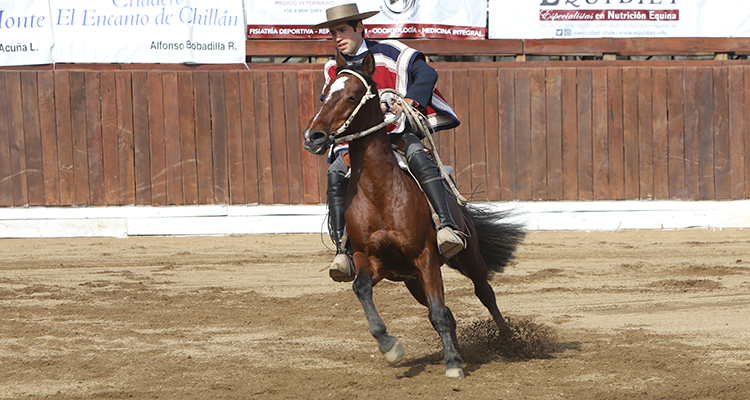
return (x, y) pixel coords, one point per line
(395, 69)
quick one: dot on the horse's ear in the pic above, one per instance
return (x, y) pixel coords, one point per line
(368, 64)
(340, 59)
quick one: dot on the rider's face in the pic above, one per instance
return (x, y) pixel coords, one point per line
(347, 39)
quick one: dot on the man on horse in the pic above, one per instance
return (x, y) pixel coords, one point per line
(404, 69)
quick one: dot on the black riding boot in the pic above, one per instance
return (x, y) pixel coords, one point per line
(342, 268)
(428, 175)
(336, 199)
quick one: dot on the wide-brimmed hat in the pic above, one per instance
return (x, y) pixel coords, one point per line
(343, 13)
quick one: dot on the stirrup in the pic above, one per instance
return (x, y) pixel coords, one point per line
(342, 268)
(449, 242)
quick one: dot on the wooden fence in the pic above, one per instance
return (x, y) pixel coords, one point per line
(686, 46)
(530, 131)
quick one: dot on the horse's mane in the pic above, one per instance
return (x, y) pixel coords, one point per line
(356, 66)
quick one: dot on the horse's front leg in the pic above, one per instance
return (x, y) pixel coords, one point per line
(362, 286)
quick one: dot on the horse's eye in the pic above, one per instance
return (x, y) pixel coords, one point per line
(352, 99)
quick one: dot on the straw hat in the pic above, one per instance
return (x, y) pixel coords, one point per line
(343, 13)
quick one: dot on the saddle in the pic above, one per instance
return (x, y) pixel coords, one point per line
(399, 147)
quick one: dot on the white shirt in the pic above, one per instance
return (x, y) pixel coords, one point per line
(362, 48)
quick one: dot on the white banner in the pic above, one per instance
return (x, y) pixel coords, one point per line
(152, 31)
(568, 19)
(447, 19)
(25, 32)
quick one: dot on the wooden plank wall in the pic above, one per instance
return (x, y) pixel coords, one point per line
(573, 131)
(588, 133)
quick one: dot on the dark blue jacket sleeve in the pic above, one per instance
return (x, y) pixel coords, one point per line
(423, 79)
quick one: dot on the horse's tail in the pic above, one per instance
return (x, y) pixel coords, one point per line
(498, 238)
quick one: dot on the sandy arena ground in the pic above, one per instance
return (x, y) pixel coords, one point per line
(601, 315)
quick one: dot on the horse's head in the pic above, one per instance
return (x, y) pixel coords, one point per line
(342, 99)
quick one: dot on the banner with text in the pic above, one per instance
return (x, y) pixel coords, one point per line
(568, 19)
(148, 31)
(25, 32)
(444, 19)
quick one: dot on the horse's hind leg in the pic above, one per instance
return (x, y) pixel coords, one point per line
(486, 295)
(442, 319)
(476, 270)
(388, 345)
(417, 290)
(445, 325)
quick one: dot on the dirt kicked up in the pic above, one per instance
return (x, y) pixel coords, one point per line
(600, 315)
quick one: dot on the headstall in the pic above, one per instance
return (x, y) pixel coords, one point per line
(366, 97)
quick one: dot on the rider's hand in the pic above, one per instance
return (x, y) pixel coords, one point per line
(396, 107)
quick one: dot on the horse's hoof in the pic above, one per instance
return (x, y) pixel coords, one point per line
(455, 373)
(505, 332)
(395, 354)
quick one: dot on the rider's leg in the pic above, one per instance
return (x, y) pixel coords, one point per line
(428, 175)
(342, 268)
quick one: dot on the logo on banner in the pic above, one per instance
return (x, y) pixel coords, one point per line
(400, 6)
(399, 9)
(575, 3)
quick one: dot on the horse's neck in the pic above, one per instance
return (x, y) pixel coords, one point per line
(372, 161)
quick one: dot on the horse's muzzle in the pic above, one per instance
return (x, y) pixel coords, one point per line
(316, 142)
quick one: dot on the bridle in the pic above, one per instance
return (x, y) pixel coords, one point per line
(365, 98)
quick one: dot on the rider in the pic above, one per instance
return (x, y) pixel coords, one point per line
(405, 70)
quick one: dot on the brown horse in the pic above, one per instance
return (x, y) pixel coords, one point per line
(389, 222)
